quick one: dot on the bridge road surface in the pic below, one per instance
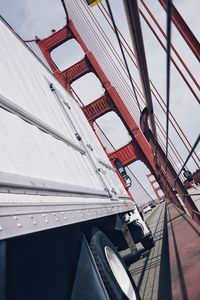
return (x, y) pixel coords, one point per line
(151, 273)
(196, 196)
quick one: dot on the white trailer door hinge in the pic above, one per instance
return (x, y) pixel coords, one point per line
(77, 135)
(90, 147)
(66, 104)
(100, 170)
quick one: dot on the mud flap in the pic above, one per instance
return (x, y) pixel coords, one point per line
(88, 284)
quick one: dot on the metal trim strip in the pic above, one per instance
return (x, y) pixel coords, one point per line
(28, 117)
(19, 184)
(16, 223)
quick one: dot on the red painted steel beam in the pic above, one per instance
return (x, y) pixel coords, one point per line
(139, 141)
(53, 41)
(173, 61)
(154, 91)
(144, 150)
(50, 43)
(153, 181)
(77, 36)
(126, 154)
(169, 192)
(123, 112)
(76, 71)
(165, 36)
(155, 189)
(149, 175)
(132, 12)
(167, 175)
(56, 39)
(132, 127)
(184, 29)
(98, 108)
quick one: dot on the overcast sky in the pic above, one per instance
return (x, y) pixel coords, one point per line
(30, 18)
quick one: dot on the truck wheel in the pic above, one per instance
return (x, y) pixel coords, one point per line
(116, 277)
(137, 231)
(148, 242)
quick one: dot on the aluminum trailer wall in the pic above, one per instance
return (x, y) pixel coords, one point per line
(53, 170)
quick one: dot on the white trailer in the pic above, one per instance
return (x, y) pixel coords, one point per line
(59, 193)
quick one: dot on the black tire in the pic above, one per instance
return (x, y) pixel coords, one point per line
(99, 244)
(148, 242)
(137, 231)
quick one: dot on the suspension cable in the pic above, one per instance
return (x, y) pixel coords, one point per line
(77, 96)
(154, 91)
(113, 147)
(115, 53)
(108, 60)
(65, 9)
(173, 60)
(109, 44)
(85, 17)
(172, 47)
(123, 54)
(126, 167)
(168, 73)
(141, 93)
(104, 35)
(193, 148)
(139, 183)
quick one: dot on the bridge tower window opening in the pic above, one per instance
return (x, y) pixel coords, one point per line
(88, 88)
(67, 54)
(113, 129)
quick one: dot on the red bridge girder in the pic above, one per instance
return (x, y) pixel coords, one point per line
(76, 71)
(53, 41)
(126, 154)
(184, 29)
(56, 39)
(139, 148)
(98, 108)
(155, 189)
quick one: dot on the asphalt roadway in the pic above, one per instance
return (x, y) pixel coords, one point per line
(151, 273)
(195, 194)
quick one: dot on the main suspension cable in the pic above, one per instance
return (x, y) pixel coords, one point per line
(154, 90)
(104, 36)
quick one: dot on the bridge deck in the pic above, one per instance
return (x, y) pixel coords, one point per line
(171, 270)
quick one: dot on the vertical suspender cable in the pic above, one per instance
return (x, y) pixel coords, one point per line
(113, 147)
(193, 148)
(172, 47)
(65, 9)
(168, 73)
(123, 54)
(127, 167)
(154, 91)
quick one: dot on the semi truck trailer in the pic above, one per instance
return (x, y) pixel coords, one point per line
(64, 212)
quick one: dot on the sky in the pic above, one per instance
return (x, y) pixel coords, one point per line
(31, 18)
